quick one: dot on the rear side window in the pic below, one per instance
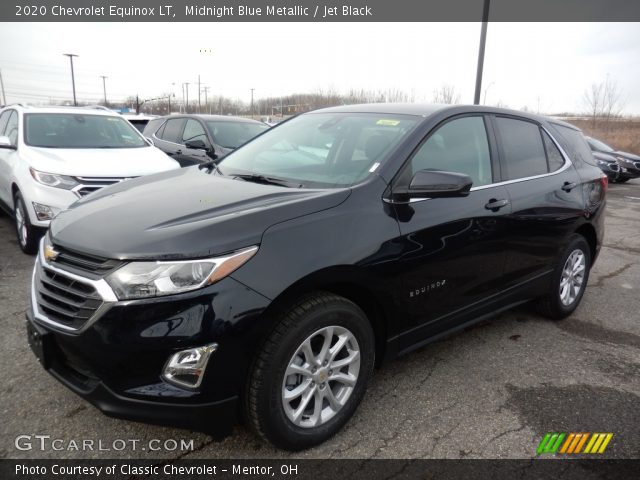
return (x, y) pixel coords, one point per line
(522, 148)
(554, 157)
(458, 146)
(577, 142)
(172, 130)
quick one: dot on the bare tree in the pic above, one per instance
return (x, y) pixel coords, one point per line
(613, 103)
(603, 101)
(594, 101)
(446, 94)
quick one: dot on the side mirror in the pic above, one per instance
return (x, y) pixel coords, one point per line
(435, 183)
(196, 145)
(5, 142)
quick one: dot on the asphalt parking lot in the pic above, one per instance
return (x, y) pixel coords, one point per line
(490, 392)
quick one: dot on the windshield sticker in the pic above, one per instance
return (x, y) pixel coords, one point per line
(388, 123)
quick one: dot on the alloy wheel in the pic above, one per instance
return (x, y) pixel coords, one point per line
(321, 376)
(572, 279)
(21, 224)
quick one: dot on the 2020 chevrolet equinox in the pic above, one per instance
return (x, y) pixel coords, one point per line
(267, 286)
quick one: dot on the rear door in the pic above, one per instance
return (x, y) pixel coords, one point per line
(546, 196)
(453, 248)
(168, 137)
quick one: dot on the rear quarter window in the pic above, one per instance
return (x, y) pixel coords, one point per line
(578, 146)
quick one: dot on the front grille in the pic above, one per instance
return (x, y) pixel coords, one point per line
(84, 191)
(91, 184)
(74, 261)
(64, 300)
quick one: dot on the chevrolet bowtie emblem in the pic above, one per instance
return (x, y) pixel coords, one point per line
(50, 254)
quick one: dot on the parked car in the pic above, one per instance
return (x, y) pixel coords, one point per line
(193, 139)
(608, 164)
(629, 162)
(270, 284)
(139, 121)
(50, 157)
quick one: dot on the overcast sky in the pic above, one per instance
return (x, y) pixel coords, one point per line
(537, 65)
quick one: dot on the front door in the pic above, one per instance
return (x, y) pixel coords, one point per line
(453, 248)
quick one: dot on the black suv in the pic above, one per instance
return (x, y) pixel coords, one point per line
(193, 139)
(267, 287)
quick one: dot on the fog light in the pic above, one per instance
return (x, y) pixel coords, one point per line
(186, 368)
(44, 212)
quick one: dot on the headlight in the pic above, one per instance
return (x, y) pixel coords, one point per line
(53, 180)
(155, 279)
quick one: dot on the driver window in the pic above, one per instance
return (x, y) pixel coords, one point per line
(194, 131)
(11, 130)
(460, 146)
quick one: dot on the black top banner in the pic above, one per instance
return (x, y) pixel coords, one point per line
(318, 10)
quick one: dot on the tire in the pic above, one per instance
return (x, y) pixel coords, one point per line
(272, 416)
(559, 303)
(28, 235)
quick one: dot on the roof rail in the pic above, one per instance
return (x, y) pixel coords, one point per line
(96, 107)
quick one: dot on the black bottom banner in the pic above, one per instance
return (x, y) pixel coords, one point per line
(329, 469)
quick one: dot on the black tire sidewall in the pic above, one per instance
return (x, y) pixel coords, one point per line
(277, 426)
(576, 242)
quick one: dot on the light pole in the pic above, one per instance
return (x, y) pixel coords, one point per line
(483, 40)
(206, 99)
(186, 107)
(252, 102)
(104, 88)
(73, 79)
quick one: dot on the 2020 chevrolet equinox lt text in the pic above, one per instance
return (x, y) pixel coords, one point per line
(267, 287)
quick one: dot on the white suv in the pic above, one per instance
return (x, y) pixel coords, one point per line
(50, 157)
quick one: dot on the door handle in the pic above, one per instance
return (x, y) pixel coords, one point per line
(495, 205)
(568, 186)
(177, 152)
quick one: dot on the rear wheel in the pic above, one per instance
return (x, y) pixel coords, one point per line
(28, 235)
(311, 373)
(569, 280)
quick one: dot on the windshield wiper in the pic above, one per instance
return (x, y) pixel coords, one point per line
(257, 178)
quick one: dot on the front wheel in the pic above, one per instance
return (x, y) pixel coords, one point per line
(569, 280)
(311, 372)
(28, 235)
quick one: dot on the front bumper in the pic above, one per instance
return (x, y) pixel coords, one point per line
(116, 362)
(57, 199)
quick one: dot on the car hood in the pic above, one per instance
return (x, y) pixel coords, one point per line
(630, 156)
(605, 157)
(186, 213)
(101, 162)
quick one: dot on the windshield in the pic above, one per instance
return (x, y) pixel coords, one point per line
(321, 149)
(78, 130)
(598, 145)
(233, 134)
